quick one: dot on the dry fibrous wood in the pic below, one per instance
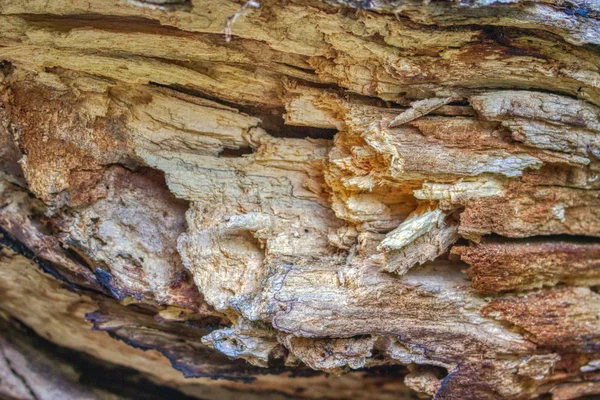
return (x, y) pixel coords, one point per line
(304, 199)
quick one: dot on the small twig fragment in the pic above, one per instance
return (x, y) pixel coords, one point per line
(418, 109)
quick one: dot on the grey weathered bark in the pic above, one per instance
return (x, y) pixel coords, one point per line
(301, 199)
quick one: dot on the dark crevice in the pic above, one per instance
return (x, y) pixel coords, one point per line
(6, 68)
(396, 370)
(501, 36)
(463, 103)
(194, 92)
(305, 70)
(105, 279)
(48, 267)
(176, 341)
(9, 241)
(233, 153)
(127, 383)
(78, 258)
(271, 120)
(93, 373)
(564, 238)
(275, 125)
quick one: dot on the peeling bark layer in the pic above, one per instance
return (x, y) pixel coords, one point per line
(344, 199)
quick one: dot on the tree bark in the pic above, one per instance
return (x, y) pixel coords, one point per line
(303, 199)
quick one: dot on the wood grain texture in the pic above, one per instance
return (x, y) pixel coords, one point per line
(342, 199)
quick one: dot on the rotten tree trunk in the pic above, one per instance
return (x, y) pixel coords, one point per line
(303, 199)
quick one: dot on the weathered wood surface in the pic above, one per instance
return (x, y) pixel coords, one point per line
(404, 194)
